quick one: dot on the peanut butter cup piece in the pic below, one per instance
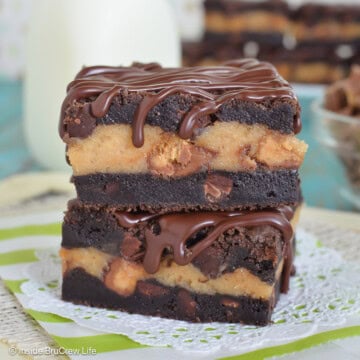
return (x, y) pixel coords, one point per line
(217, 187)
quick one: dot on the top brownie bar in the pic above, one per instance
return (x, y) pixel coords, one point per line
(160, 139)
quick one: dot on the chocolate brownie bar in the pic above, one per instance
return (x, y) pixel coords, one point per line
(308, 43)
(229, 16)
(201, 266)
(330, 62)
(327, 21)
(146, 137)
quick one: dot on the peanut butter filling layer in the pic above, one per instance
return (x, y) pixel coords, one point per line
(257, 20)
(273, 22)
(122, 276)
(228, 146)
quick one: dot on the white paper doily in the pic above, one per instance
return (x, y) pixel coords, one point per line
(323, 294)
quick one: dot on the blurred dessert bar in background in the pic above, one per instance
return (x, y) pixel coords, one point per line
(327, 21)
(228, 18)
(309, 43)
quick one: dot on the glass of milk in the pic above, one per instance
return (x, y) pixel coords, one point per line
(66, 35)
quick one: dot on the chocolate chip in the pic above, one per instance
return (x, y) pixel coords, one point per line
(150, 289)
(187, 305)
(131, 247)
(229, 303)
(210, 262)
(230, 314)
(217, 187)
(111, 188)
(82, 125)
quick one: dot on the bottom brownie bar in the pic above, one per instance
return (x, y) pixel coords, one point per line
(200, 267)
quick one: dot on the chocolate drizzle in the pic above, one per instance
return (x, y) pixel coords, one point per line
(176, 229)
(246, 79)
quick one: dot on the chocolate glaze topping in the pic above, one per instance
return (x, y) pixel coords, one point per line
(246, 79)
(177, 228)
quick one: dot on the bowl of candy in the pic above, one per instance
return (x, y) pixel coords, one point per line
(337, 128)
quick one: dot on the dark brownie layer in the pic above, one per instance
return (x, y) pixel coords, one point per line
(152, 298)
(308, 13)
(275, 114)
(266, 38)
(230, 6)
(258, 249)
(313, 14)
(218, 191)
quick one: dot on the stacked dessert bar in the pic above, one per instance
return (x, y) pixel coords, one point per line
(310, 42)
(187, 190)
(224, 17)
(327, 41)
